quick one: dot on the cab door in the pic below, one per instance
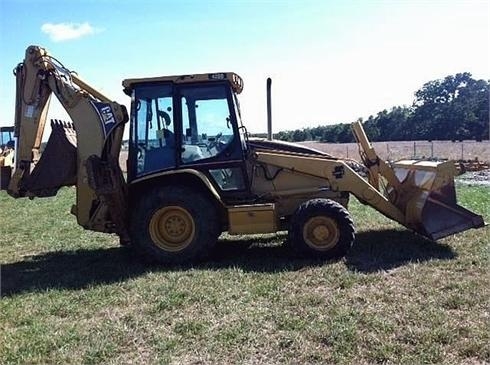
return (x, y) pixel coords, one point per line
(153, 143)
(210, 137)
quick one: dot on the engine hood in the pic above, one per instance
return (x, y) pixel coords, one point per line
(264, 144)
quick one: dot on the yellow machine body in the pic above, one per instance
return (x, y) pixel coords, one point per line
(238, 185)
(251, 219)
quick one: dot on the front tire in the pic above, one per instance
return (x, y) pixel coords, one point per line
(321, 228)
(174, 225)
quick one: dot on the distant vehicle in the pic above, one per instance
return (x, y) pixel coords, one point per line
(6, 138)
(7, 145)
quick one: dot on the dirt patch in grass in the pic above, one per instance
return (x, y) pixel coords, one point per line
(476, 178)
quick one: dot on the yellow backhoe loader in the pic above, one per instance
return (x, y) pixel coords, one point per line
(192, 171)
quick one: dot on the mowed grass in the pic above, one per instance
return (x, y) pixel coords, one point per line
(74, 296)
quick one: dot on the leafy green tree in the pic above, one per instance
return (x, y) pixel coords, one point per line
(456, 107)
(299, 135)
(284, 136)
(329, 135)
(371, 128)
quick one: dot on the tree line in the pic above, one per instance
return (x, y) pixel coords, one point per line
(453, 108)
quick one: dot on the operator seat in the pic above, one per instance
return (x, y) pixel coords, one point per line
(162, 157)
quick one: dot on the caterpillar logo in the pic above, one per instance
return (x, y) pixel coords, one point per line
(106, 116)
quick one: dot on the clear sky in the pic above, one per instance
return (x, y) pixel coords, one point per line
(330, 61)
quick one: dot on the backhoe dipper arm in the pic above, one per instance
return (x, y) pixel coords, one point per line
(98, 121)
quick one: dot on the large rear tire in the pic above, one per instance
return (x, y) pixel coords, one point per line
(321, 228)
(174, 225)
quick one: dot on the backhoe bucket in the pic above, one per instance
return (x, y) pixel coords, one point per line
(428, 197)
(57, 166)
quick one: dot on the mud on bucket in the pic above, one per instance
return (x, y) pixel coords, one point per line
(431, 208)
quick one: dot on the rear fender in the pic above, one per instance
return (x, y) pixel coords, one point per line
(186, 177)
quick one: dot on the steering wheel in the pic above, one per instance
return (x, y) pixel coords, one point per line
(214, 142)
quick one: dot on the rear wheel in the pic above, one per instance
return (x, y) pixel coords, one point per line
(174, 225)
(321, 228)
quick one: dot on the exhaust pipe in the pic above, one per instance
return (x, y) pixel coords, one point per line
(269, 110)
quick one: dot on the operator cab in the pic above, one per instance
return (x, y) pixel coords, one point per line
(187, 122)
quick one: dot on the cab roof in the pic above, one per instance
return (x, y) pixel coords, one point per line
(235, 80)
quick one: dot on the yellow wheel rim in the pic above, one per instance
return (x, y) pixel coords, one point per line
(321, 233)
(172, 228)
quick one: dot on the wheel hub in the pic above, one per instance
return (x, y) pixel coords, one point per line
(172, 228)
(321, 233)
(175, 226)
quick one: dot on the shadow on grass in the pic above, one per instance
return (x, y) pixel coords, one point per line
(73, 270)
(384, 250)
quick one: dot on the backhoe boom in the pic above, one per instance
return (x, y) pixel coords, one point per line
(98, 123)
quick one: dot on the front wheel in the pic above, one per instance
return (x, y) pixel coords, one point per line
(321, 228)
(174, 225)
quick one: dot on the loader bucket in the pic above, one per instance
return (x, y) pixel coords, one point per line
(57, 166)
(428, 198)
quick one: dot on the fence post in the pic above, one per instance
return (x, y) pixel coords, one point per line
(462, 150)
(414, 149)
(432, 149)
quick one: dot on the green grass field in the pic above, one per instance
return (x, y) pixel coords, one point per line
(73, 296)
